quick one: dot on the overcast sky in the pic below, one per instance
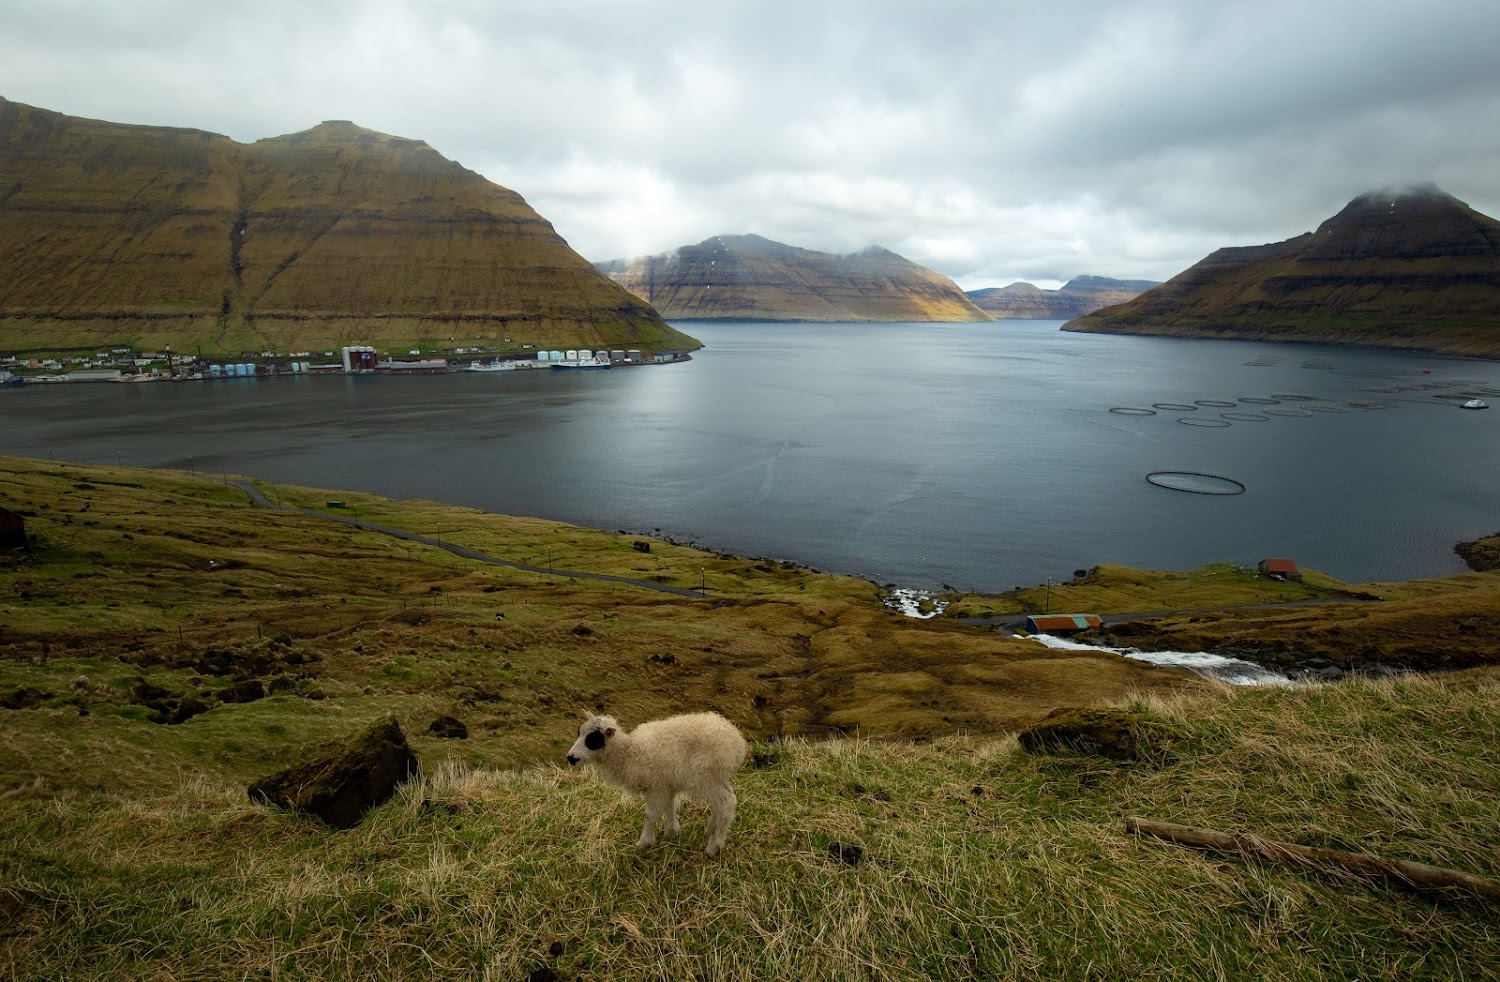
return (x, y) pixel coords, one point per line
(992, 140)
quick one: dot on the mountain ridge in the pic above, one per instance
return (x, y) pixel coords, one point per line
(757, 278)
(1080, 295)
(1407, 268)
(337, 234)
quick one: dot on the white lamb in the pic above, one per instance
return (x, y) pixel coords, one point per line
(694, 754)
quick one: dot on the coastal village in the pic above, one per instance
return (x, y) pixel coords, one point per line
(123, 364)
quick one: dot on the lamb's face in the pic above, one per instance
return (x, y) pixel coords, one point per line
(593, 736)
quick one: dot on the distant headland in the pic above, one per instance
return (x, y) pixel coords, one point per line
(1410, 268)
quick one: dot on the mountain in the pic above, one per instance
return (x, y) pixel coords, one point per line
(747, 277)
(1414, 268)
(149, 235)
(1080, 295)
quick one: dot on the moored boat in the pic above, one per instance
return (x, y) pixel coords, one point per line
(1476, 404)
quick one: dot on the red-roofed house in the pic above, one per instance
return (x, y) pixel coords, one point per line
(1279, 567)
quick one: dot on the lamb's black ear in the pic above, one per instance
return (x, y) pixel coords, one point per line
(594, 741)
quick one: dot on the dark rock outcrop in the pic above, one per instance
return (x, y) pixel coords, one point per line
(1097, 732)
(747, 277)
(166, 707)
(248, 690)
(339, 786)
(448, 728)
(1080, 295)
(1414, 268)
(1482, 555)
(24, 697)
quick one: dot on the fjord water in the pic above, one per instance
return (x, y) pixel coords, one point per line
(982, 456)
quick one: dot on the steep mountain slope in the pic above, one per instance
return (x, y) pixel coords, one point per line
(747, 277)
(1415, 268)
(152, 235)
(1080, 295)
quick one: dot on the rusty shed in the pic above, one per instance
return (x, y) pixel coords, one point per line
(1062, 623)
(1284, 568)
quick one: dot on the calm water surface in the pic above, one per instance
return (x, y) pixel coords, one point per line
(980, 456)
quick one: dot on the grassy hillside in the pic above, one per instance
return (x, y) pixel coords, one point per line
(979, 861)
(128, 848)
(1412, 269)
(164, 570)
(148, 236)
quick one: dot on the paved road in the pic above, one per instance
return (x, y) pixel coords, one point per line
(262, 501)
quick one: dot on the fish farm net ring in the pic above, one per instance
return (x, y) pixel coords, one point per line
(1245, 417)
(1324, 407)
(1215, 403)
(1195, 482)
(1178, 407)
(1203, 421)
(1132, 411)
(1256, 400)
(1291, 397)
(1286, 412)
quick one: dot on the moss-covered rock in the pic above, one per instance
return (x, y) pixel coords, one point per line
(340, 785)
(1482, 555)
(1099, 732)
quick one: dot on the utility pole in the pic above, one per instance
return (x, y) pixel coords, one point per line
(1047, 602)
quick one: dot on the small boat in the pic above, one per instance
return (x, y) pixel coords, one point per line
(581, 363)
(1476, 404)
(494, 366)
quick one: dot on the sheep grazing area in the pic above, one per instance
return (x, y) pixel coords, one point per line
(888, 826)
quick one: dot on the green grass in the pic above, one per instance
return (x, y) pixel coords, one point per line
(129, 849)
(979, 861)
(1110, 588)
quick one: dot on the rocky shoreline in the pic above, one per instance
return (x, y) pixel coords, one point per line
(1482, 555)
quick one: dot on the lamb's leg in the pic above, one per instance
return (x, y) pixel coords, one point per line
(672, 827)
(655, 805)
(720, 816)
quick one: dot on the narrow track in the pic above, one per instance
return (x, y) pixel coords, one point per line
(261, 500)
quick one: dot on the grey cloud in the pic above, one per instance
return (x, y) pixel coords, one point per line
(990, 141)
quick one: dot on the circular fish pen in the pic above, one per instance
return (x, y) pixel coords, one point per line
(1195, 482)
(1131, 411)
(1245, 417)
(1293, 397)
(1258, 401)
(1176, 407)
(1203, 421)
(1327, 407)
(1286, 412)
(1215, 403)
